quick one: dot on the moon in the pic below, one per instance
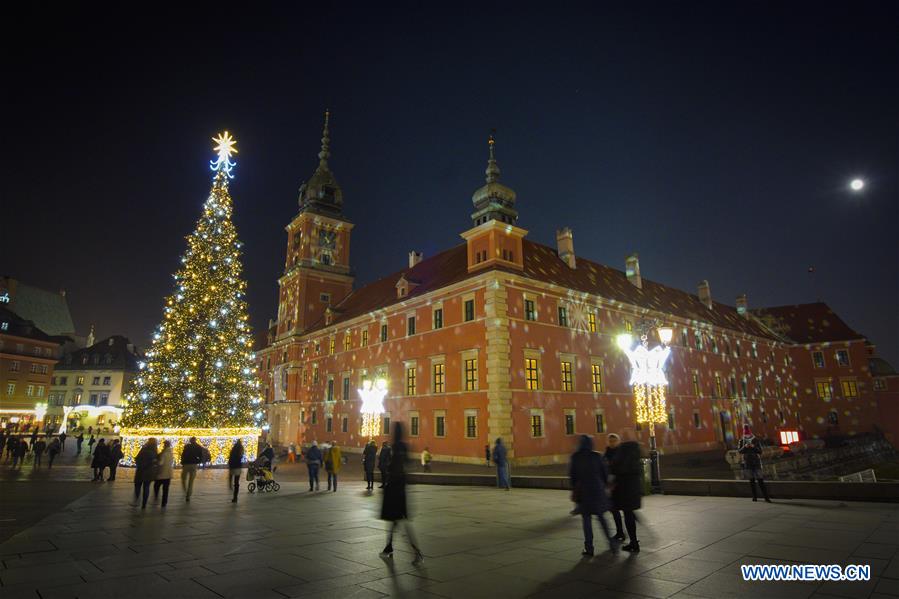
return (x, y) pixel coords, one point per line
(857, 185)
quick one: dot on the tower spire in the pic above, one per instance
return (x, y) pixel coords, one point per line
(492, 168)
(325, 152)
(493, 201)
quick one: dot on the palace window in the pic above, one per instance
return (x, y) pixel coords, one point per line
(697, 338)
(383, 332)
(842, 357)
(346, 388)
(331, 344)
(347, 341)
(95, 380)
(315, 374)
(628, 326)
(471, 424)
(471, 374)
(531, 373)
(314, 416)
(850, 389)
(591, 322)
(823, 388)
(104, 398)
(413, 424)
(818, 359)
(596, 377)
(344, 424)
(10, 388)
(719, 389)
(106, 380)
(440, 424)
(438, 318)
(536, 425)
(14, 366)
(469, 310)
(880, 385)
(569, 422)
(410, 380)
(670, 421)
(439, 371)
(330, 388)
(563, 316)
(697, 422)
(600, 419)
(329, 424)
(530, 311)
(696, 390)
(683, 338)
(410, 326)
(567, 382)
(385, 424)
(365, 337)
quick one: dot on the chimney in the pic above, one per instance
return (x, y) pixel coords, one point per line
(705, 294)
(414, 258)
(565, 246)
(742, 305)
(632, 268)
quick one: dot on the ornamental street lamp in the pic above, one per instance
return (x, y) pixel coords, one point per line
(649, 383)
(372, 394)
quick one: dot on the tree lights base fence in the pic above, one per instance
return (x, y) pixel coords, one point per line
(218, 441)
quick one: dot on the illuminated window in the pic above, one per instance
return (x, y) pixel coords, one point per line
(318, 348)
(331, 344)
(364, 337)
(471, 374)
(10, 388)
(469, 310)
(563, 316)
(697, 338)
(439, 370)
(696, 390)
(567, 384)
(880, 385)
(305, 376)
(14, 366)
(600, 420)
(347, 342)
(383, 332)
(596, 377)
(591, 321)
(569, 422)
(850, 389)
(531, 373)
(824, 391)
(438, 318)
(106, 379)
(536, 425)
(410, 325)
(842, 357)
(410, 380)
(628, 326)
(315, 375)
(719, 389)
(530, 312)
(471, 424)
(818, 359)
(440, 424)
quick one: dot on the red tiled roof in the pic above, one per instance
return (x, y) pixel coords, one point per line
(807, 323)
(543, 264)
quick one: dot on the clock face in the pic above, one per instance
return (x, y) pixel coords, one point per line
(327, 239)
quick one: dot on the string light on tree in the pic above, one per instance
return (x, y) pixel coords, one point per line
(198, 377)
(372, 394)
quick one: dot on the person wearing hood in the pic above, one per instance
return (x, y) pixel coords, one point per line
(314, 460)
(611, 449)
(394, 507)
(145, 471)
(501, 460)
(100, 460)
(164, 472)
(369, 457)
(627, 492)
(588, 474)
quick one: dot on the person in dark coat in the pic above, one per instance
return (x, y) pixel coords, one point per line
(53, 451)
(12, 444)
(384, 463)
(235, 465)
(191, 458)
(314, 460)
(612, 447)
(752, 463)
(369, 458)
(627, 491)
(487, 454)
(100, 460)
(79, 440)
(90, 445)
(38, 447)
(500, 458)
(62, 441)
(145, 471)
(588, 475)
(394, 508)
(18, 454)
(115, 456)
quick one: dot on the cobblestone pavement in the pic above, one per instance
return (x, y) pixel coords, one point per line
(478, 542)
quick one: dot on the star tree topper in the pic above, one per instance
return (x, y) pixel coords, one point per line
(225, 146)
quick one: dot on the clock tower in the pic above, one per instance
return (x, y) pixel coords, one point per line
(317, 269)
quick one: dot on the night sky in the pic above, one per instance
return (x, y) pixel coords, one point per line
(717, 140)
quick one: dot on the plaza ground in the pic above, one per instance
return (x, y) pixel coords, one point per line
(82, 539)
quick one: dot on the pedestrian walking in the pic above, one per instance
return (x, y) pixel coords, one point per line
(90, 445)
(62, 441)
(501, 460)
(269, 454)
(369, 458)
(487, 453)
(52, 451)
(191, 457)
(333, 461)
(426, 460)
(145, 463)
(100, 460)
(395, 508)
(38, 447)
(115, 456)
(164, 473)
(79, 440)
(751, 453)
(384, 463)
(18, 456)
(90, 431)
(12, 443)
(313, 461)
(612, 447)
(291, 453)
(588, 475)
(34, 433)
(627, 492)
(235, 464)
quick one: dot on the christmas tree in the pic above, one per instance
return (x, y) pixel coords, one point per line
(199, 378)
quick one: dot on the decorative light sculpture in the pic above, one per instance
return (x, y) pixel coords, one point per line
(40, 410)
(650, 384)
(372, 394)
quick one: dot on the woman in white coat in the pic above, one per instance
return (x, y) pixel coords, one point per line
(164, 473)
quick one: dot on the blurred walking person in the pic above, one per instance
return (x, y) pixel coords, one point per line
(79, 441)
(369, 457)
(90, 445)
(145, 471)
(395, 509)
(52, 451)
(18, 454)
(164, 473)
(38, 447)
(612, 447)
(235, 466)
(627, 492)
(384, 463)
(100, 460)
(426, 460)
(314, 460)
(752, 463)
(62, 441)
(191, 458)
(115, 456)
(501, 460)
(588, 475)
(333, 461)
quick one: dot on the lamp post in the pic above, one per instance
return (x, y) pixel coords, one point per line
(649, 383)
(372, 394)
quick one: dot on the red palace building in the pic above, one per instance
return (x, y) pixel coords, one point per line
(501, 336)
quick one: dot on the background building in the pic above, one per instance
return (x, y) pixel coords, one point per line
(504, 337)
(89, 384)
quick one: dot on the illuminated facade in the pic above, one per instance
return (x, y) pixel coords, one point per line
(501, 336)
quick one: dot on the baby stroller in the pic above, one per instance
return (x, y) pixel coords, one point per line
(261, 476)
